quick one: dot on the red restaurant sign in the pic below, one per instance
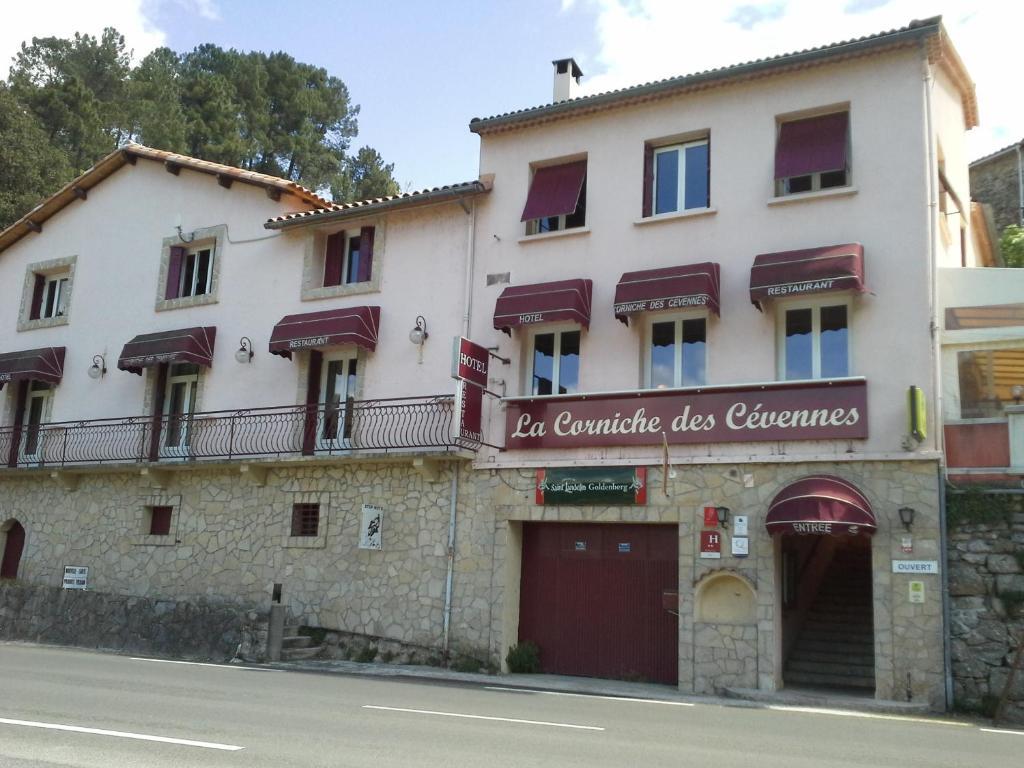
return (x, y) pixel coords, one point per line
(469, 362)
(819, 410)
(470, 404)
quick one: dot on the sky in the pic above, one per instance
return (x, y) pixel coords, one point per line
(421, 70)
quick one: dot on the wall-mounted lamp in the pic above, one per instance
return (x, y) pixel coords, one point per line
(419, 333)
(723, 516)
(98, 368)
(244, 353)
(1017, 392)
(907, 517)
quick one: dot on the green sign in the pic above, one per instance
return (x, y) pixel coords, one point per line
(592, 485)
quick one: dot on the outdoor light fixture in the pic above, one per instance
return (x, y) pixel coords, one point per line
(419, 333)
(723, 516)
(244, 353)
(907, 517)
(98, 368)
(1017, 391)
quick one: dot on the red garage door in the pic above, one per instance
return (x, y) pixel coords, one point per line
(591, 599)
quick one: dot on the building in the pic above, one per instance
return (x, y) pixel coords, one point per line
(998, 180)
(711, 452)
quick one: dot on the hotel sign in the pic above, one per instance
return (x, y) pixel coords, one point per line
(820, 410)
(592, 485)
(470, 362)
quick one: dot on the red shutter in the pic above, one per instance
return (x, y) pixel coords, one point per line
(334, 258)
(365, 255)
(648, 180)
(812, 145)
(174, 272)
(35, 312)
(158, 411)
(20, 402)
(312, 403)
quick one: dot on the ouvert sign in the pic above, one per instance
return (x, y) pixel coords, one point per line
(819, 410)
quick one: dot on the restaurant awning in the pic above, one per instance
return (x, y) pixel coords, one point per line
(555, 190)
(812, 145)
(651, 290)
(46, 364)
(544, 303)
(807, 272)
(187, 345)
(315, 330)
(820, 504)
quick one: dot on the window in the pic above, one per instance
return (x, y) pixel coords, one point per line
(677, 178)
(557, 199)
(555, 365)
(815, 342)
(190, 272)
(160, 520)
(48, 293)
(676, 353)
(812, 154)
(179, 405)
(348, 257)
(987, 381)
(305, 519)
(338, 390)
(36, 401)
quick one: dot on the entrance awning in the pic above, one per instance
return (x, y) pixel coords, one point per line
(820, 504)
(187, 345)
(46, 364)
(690, 285)
(315, 330)
(564, 300)
(807, 272)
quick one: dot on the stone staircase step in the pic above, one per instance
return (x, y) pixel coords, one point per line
(296, 641)
(837, 657)
(815, 646)
(840, 668)
(299, 654)
(859, 637)
(837, 681)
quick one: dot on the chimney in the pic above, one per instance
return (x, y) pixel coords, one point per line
(567, 79)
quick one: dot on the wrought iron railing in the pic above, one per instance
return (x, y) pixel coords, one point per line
(389, 425)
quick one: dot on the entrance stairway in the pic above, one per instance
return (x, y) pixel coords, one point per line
(297, 647)
(835, 648)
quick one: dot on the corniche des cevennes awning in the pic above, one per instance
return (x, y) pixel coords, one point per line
(560, 301)
(652, 290)
(315, 330)
(806, 272)
(555, 190)
(820, 504)
(186, 345)
(46, 364)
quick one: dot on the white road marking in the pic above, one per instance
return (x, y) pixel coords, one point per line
(866, 715)
(122, 734)
(591, 696)
(484, 717)
(1000, 730)
(204, 664)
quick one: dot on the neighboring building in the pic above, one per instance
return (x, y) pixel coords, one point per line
(998, 181)
(716, 294)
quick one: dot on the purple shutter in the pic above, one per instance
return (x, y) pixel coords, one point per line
(555, 190)
(36, 310)
(19, 419)
(159, 390)
(174, 272)
(312, 419)
(365, 255)
(334, 258)
(812, 145)
(648, 181)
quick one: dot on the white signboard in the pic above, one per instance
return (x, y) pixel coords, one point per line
(369, 534)
(740, 546)
(739, 525)
(915, 566)
(917, 591)
(76, 577)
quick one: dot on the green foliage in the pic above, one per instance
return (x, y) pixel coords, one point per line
(465, 664)
(974, 506)
(367, 654)
(317, 633)
(387, 656)
(71, 101)
(1011, 245)
(523, 658)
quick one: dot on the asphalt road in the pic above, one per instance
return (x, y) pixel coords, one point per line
(63, 707)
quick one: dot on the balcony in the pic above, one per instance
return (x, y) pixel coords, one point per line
(414, 425)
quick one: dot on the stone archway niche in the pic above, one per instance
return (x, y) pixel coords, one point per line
(12, 542)
(725, 597)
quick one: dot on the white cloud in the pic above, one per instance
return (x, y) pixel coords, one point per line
(205, 9)
(643, 40)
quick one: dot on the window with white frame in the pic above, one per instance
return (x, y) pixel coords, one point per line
(51, 292)
(814, 340)
(680, 177)
(812, 153)
(343, 259)
(555, 362)
(196, 272)
(676, 352)
(557, 198)
(989, 380)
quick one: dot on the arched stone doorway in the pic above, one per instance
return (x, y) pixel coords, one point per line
(13, 536)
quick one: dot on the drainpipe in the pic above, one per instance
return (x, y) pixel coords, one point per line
(467, 299)
(1020, 187)
(451, 559)
(947, 649)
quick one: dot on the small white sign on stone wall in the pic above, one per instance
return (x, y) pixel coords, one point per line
(369, 533)
(915, 566)
(76, 577)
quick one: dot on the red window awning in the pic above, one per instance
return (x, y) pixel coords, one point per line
(315, 330)
(46, 364)
(813, 145)
(563, 300)
(187, 345)
(555, 190)
(805, 272)
(820, 504)
(652, 290)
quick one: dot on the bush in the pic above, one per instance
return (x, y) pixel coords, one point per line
(368, 654)
(523, 658)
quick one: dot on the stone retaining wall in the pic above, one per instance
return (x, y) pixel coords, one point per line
(986, 584)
